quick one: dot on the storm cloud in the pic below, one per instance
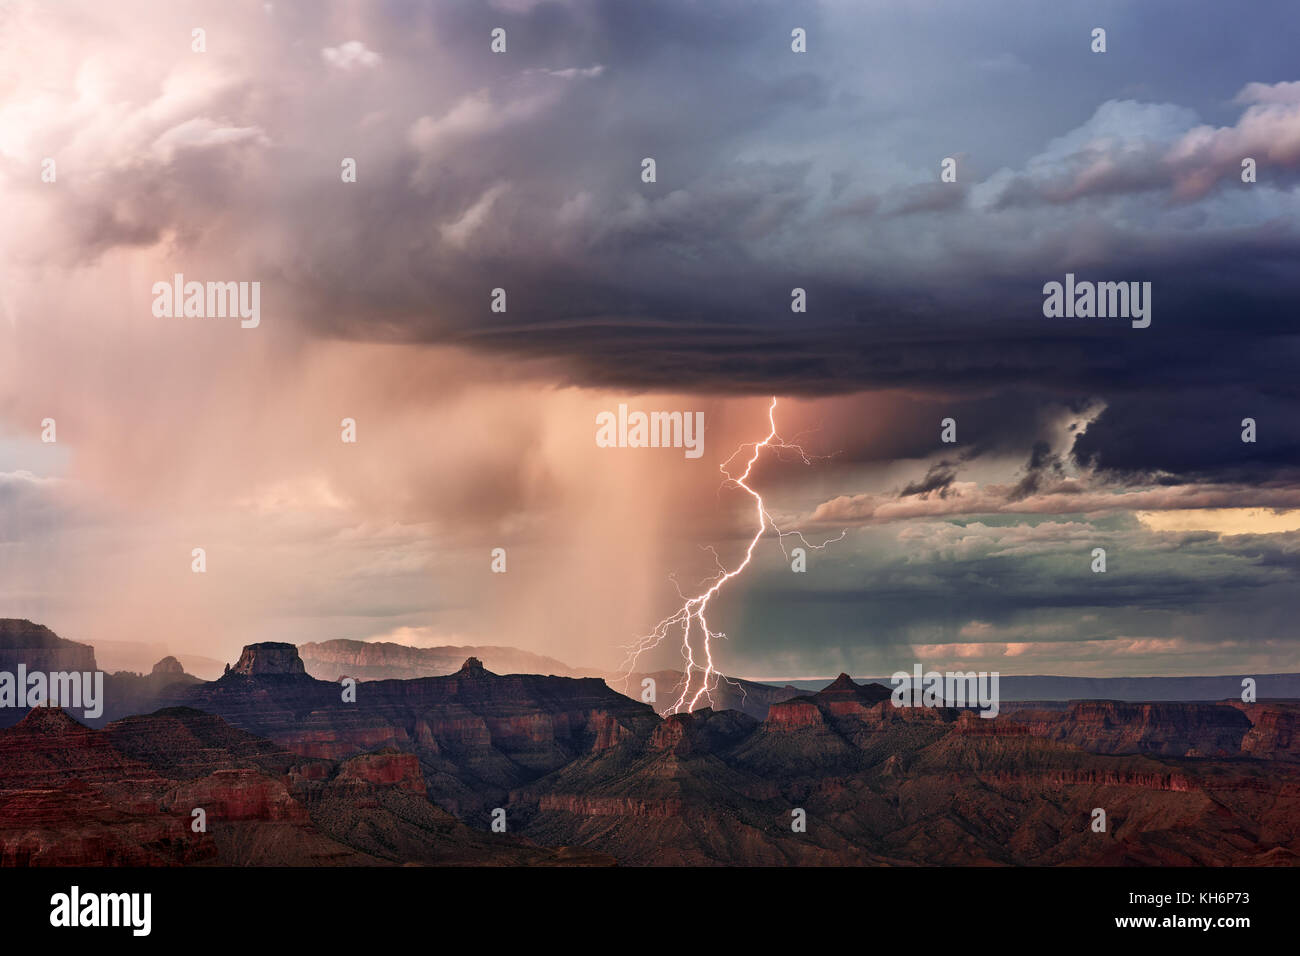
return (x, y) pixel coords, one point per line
(521, 171)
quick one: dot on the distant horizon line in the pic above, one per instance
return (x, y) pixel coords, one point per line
(1003, 674)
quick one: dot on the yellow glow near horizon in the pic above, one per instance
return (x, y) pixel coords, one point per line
(1223, 520)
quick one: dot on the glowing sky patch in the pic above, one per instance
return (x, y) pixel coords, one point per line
(1223, 520)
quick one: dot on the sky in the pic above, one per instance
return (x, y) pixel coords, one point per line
(774, 170)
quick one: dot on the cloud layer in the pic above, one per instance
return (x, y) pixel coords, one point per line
(522, 171)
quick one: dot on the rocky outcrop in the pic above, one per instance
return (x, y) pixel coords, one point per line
(238, 794)
(1274, 732)
(850, 708)
(41, 649)
(802, 712)
(269, 657)
(389, 768)
(1170, 729)
(701, 732)
(167, 666)
(473, 667)
(607, 731)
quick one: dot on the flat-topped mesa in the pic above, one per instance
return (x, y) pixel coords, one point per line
(268, 657)
(40, 649)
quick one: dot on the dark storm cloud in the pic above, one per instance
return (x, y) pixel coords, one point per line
(775, 170)
(1197, 434)
(1042, 466)
(936, 480)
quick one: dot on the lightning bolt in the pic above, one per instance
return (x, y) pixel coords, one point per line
(689, 618)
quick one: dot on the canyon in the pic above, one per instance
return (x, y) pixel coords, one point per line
(292, 771)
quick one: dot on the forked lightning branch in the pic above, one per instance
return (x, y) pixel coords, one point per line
(700, 675)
